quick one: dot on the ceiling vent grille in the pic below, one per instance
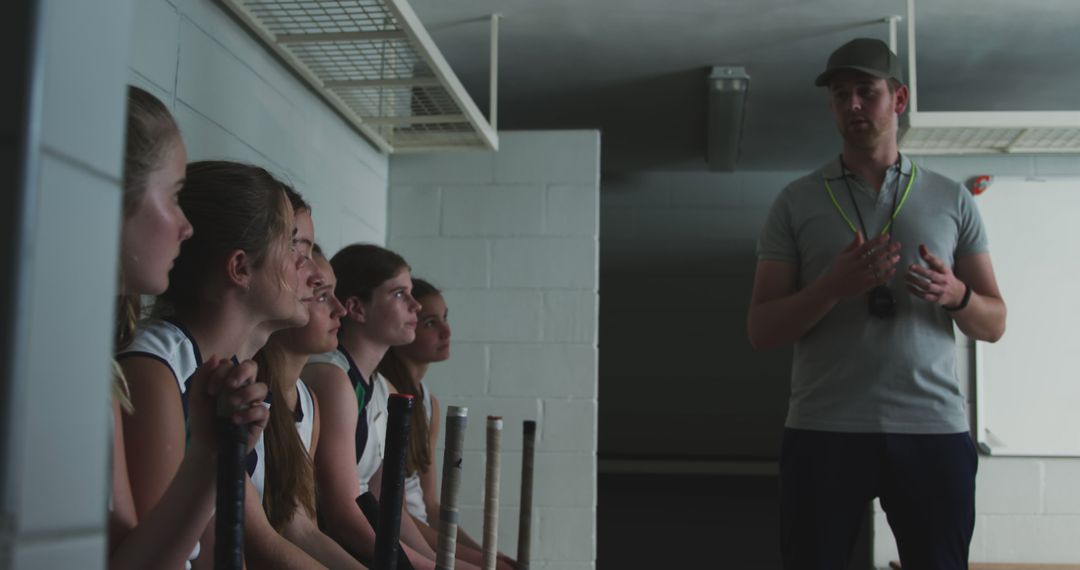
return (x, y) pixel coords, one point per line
(980, 132)
(991, 132)
(374, 62)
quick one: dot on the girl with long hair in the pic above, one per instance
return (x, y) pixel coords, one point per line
(373, 286)
(293, 435)
(154, 226)
(241, 276)
(405, 367)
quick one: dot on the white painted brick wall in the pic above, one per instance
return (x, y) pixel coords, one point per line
(542, 369)
(235, 101)
(56, 422)
(545, 262)
(508, 210)
(511, 237)
(461, 263)
(491, 315)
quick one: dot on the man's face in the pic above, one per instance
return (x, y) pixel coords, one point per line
(864, 108)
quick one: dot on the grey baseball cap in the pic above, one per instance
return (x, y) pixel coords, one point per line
(867, 55)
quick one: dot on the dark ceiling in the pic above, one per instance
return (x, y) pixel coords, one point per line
(636, 68)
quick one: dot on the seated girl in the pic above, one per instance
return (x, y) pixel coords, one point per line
(293, 437)
(165, 533)
(241, 276)
(373, 286)
(405, 367)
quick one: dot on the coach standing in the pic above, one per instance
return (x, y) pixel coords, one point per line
(864, 265)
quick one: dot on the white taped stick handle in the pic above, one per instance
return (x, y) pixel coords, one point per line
(456, 420)
(491, 493)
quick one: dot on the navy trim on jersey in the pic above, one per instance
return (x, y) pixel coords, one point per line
(198, 359)
(298, 412)
(190, 337)
(252, 460)
(357, 378)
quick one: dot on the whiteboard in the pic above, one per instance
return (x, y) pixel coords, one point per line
(1027, 385)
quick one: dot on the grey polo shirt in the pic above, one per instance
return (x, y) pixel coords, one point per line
(854, 372)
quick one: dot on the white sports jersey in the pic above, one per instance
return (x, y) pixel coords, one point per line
(371, 423)
(171, 344)
(304, 414)
(414, 493)
(377, 414)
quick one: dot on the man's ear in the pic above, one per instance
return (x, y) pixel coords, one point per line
(902, 98)
(355, 310)
(238, 268)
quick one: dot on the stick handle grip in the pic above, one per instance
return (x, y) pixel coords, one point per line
(229, 520)
(491, 493)
(525, 522)
(456, 420)
(399, 407)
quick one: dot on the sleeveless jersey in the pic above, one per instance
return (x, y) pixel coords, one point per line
(414, 493)
(304, 414)
(170, 343)
(370, 436)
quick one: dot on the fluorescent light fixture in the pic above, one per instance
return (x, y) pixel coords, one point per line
(726, 99)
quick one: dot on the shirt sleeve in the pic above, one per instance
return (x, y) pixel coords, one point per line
(335, 358)
(776, 242)
(972, 238)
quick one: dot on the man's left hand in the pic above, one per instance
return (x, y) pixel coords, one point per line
(935, 282)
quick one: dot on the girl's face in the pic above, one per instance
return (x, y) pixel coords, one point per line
(325, 312)
(151, 235)
(432, 342)
(283, 284)
(390, 316)
(307, 273)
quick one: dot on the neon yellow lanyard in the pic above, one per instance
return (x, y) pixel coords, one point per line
(895, 213)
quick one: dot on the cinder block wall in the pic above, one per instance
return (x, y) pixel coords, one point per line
(677, 265)
(511, 238)
(234, 100)
(56, 416)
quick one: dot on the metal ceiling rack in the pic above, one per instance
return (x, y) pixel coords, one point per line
(374, 62)
(980, 132)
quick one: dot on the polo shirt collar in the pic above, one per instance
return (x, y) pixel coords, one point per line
(832, 170)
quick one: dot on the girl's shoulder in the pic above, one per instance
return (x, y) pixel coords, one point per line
(166, 342)
(335, 357)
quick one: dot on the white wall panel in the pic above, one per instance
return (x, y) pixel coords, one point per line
(512, 238)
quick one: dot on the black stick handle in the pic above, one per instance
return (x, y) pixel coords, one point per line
(456, 419)
(229, 520)
(393, 481)
(525, 523)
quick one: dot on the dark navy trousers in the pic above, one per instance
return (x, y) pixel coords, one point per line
(926, 484)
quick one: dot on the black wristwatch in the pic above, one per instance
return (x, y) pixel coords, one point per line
(963, 302)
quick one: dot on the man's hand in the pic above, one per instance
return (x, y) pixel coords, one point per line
(863, 265)
(935, 282)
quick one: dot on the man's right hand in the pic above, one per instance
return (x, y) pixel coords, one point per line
(862, 265)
